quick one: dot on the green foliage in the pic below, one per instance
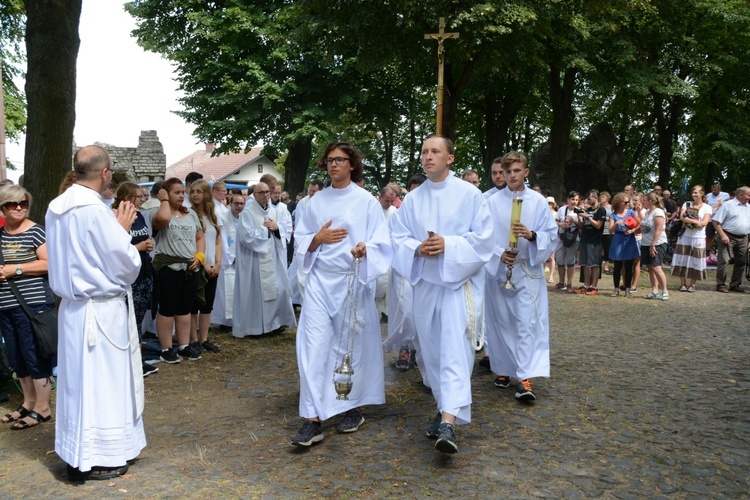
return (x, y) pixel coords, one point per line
(12, 25)
(671, 77)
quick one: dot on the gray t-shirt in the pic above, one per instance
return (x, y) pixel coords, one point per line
(648, 227)
(177, 239)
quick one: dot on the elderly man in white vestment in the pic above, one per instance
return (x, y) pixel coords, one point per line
(442, 235)
(261, 288)
(224, 301)
(92, 264)
(341, 223)
(518, 319)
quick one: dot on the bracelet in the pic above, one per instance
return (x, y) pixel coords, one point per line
(162, 201)
(200, 256)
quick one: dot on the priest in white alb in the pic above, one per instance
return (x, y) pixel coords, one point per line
(262, 297)
(518, 319)
(224, 301)
(442, 236)
(341, 223)
(99, 425)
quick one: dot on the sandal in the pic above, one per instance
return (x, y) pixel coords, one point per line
(22, 411)
(22, 424)
(665, 296)
(651, 295)
(616, 293)
(683, 288)
(691, 288)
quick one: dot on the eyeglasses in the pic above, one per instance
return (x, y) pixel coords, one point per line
(13, 205)
(339, 160)
(262, 192)
(142, 196)
(238, 203)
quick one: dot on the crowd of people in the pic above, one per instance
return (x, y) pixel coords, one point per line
(170, 261)
(650, 230)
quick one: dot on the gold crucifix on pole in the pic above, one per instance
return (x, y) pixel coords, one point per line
(440, 36)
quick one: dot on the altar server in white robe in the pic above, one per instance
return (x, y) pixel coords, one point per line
(340, 223)
(285, 218)
(442, 235)
(295, 275)
(261, 290)
(498, 180)
(518, 319)
(224, 301)
(92, 264)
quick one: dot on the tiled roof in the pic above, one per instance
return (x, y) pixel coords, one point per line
(213, 168)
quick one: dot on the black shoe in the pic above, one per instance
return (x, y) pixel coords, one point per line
(485, 362)
(189, 353)
(432, 430)
(502, 382)
(351, 421)
(209, 347)
(96, 473)
(149, 369)
(524, 393)
(311, 432)
(169, 356)
(384, 318)
(402, 363)
(413, 358)
(197, 347)
(446, 441)
(225, 329)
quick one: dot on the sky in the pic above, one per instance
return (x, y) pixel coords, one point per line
(121, 89)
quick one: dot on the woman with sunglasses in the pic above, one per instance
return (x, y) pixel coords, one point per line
(25, 254)
(624, 249)
(140, 235)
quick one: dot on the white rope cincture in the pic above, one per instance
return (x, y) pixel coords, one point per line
(529, 277)
(472, 320)
(354, 324)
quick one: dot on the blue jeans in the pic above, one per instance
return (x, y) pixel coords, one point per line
(21, 345)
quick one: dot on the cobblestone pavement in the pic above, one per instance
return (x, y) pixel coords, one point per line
(646, 399)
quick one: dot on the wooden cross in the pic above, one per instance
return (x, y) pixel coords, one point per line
(440, 36)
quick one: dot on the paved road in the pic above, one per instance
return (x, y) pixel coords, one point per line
(646, 399)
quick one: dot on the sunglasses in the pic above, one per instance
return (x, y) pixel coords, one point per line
(13, 205)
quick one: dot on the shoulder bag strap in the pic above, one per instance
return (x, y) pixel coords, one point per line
(13, 285)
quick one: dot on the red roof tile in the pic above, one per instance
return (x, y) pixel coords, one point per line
(213, 168)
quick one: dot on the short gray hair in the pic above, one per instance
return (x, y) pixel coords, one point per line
(13, 192)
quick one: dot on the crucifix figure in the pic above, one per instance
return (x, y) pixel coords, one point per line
(440, 36)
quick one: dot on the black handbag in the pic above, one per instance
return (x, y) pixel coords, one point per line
(43, 323)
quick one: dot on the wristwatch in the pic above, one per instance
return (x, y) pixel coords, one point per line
(19, 272)
(533, 236)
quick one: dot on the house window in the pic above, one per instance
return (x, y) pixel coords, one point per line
(260, 168)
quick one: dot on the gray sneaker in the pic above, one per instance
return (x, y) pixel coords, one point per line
(446, 441)
(311, 432)
(351, 421)
(432, 430)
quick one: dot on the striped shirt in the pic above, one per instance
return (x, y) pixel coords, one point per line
(19, 249)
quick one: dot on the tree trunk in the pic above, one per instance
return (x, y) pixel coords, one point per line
(561, 99)
(295, 166)
(498, 117)
(51, 50)
(667, 124)
(452, 97)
